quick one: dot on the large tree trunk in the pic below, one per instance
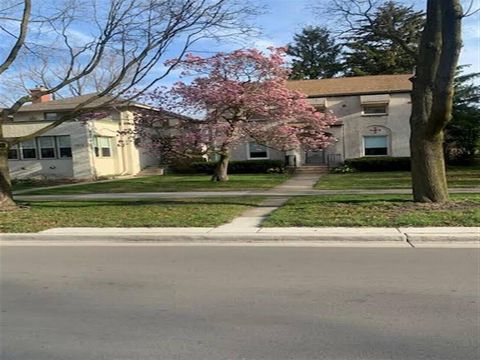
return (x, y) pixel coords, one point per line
(432, 97)
(428, 167)
(221, 169)
(6, 198)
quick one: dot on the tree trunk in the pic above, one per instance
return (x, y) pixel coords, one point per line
(6, 198)
(432, 96)
(428, 167)
(221, 169)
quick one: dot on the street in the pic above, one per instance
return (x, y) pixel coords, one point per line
(239, 303)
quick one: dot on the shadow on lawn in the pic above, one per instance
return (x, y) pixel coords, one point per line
(123, 203)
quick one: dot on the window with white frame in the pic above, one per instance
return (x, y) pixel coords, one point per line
(375, 145)
(374, 109)
(13, 153)
(103, 146)
(43, 147)
(257, 151)
(46, 145)
(64, 147)
(29, 149)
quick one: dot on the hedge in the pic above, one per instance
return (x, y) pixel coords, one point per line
(381, 163)
(234, 167)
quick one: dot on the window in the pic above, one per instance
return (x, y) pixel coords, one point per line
(51, 116)
(375, 109)
(256, 151)
(103, 146)
(46, 145)
(375, 145)
(13, 153)
(64, 147)
(29, 149)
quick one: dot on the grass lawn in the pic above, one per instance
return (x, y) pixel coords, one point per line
(115, 213)
(460, 177)
(375, 210)
(171, 183)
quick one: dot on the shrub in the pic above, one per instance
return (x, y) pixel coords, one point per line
(383, 163)
(234, 167)
(344, 169)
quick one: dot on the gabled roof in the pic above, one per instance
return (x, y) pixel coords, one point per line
(355, 85)
(71, 102)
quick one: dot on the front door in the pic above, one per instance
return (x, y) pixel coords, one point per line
(315, 157)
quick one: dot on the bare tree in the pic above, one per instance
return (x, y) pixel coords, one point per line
(81, 38)
(436, 61)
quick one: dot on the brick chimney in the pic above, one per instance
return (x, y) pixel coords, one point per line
(40, 99)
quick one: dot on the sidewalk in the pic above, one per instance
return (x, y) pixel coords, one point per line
(246, 229)
(200, 194)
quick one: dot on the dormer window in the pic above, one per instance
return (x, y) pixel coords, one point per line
(51, 116)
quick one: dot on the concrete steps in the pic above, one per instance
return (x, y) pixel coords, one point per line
(312, 169)
(152, 170)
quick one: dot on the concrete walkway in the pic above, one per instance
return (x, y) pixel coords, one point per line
(251, 220)
(276, 192)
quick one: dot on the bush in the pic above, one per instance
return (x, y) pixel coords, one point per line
(234, 167)
(383, 163)
(344, 169)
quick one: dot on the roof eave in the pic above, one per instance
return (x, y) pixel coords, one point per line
(359, 93)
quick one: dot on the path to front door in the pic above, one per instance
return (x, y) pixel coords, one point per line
(251, 220)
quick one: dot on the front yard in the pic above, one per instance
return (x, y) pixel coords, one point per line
(457, 177)
(114, 213)
(374, 210)
(170, 183)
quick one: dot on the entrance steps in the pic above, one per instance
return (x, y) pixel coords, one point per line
(152, 170)
(312, 169)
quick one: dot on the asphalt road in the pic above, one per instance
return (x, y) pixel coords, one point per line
(248, 303)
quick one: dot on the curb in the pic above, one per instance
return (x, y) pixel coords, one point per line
(411, 237)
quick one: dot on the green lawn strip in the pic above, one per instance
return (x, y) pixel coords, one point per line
(457, 177)
(375, 210)
(201, 212)
(171, 183)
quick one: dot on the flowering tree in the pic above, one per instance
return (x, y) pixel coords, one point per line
(243, 96)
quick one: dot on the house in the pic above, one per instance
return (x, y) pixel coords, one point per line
(75, 149)
(373, 120)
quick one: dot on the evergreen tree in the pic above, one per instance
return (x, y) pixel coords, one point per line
(315, 54)
(370, 51)
(462, 135)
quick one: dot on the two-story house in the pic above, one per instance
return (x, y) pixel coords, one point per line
(75, 149)
(373, 120)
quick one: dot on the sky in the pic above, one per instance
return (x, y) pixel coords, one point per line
(281, 19)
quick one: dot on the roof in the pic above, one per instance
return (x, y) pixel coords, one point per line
(71, 102)
(374, 84)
